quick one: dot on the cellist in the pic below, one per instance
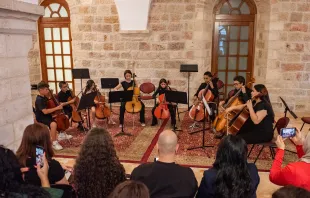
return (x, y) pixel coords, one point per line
(43, 114)
(207, 76)
(128, 82)
(258, 128)
(162, 88)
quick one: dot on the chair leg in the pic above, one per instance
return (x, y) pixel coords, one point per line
(259, 154)
(251, 150)
(178, 113)
(271, 152)
(302, 126)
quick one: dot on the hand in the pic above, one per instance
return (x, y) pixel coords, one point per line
(229, 109)
(249, 104)
(157, 101)
(297, 139)
(195, 98)
(243, 89)
(280, 143)
(211, 84)
(68, 168)
(59, 107)
(43, 172)
(221, 103)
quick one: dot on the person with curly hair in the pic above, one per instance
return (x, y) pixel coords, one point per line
(130, 189)
(97, 170)
(231, 176)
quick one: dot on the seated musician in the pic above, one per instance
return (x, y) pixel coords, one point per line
(127, 83)
(207, 76)
(259, 126)
(63, 96)
(162, 88)
(92, 87)
(43, 114)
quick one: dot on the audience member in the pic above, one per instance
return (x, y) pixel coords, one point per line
(296, 173)
(38, 135)
(231, 176)
(130, 189)
(12, 184)
(97, 170)
(165, 178)
(291, 192)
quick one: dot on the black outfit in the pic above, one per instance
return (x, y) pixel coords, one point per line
(244, 97)
(63, 97)
(125, 86)
(207, 186)
(40, 104)
(55, 172)
(166, 179)
(258, 133)
(160, 91)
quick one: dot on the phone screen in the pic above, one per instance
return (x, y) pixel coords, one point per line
(288, 132)
(39, 155)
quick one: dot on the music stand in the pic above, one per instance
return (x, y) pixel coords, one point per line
(177, 97)
(205, 108)
(287, 109)
(86, 102)
(188, 68)
(123, 97)
(109, 83)
(80, 74)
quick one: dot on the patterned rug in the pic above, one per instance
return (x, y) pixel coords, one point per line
(139, 148)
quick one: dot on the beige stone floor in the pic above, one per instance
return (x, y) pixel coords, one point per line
(265, 188)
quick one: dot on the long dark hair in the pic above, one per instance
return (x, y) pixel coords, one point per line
(97, 169)
(89, 84)
(233, 179)
(162, 81)
(264, 96)
(34, 134)
(130, 189)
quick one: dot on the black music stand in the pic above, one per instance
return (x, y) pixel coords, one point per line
(177, 97)
(86, 102)
(205, 108)
(287, 109)
(80, 74)
(109, 83)
(123, 97)
(188, 68)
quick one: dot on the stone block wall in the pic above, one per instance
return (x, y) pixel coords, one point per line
(18, 22)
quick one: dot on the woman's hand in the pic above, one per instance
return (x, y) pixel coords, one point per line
(229, 109)
(249, 104)
(68, 168)
(280, 143)
(297, 139)
(195, 98)
(157, 101)
(43, 172)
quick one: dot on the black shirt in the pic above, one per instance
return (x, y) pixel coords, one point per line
(126, 85)
(40, 104)
(207, 186)
(55, 172)
(214, 91)
(166, 179)
(63, 97)
(244, 97)
(160, 91)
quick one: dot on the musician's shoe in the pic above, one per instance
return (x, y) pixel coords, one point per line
(120, 126)
(111, 122)
(154, 124)
(64, 136)
(219, 135)
(57, 146)
(143, 124)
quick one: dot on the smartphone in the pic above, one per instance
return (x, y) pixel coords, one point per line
(288, 132)
(39, 155)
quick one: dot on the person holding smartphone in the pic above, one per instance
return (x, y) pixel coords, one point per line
(295, 173)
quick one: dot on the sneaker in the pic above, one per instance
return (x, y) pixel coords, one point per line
(143, 124)
(57, 146)
(63, 136)
(111, 122)
(120, 126)
(153, 124)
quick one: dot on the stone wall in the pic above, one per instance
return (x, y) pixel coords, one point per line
(17, 24)
(180, 31)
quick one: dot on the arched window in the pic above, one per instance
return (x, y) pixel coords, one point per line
(233, 40)
(55, 43)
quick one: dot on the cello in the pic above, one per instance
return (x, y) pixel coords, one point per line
(102, 111)
(162, 110)
(134, 106)
(58, 116)
(76, 116)
(220, 121)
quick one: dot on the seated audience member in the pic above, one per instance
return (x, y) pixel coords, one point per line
(12, 184)
(291, 192)
(295, 173)
(165, 178)
(130, 189)
(231, 175)
(38, 135)
(97, 170)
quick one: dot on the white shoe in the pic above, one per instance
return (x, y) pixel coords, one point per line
(63, 136)
(120, 126)
(143, 124)
(57, 146)
(111, 122)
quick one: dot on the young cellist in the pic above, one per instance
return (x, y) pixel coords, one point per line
(44, 115)
(162, 88)
(127, 83)
(259, 126)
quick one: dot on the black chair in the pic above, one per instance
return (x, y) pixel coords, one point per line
(306, 120)
(281, 123)
(69, 192)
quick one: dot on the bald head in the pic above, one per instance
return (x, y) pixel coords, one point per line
(167, 142)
